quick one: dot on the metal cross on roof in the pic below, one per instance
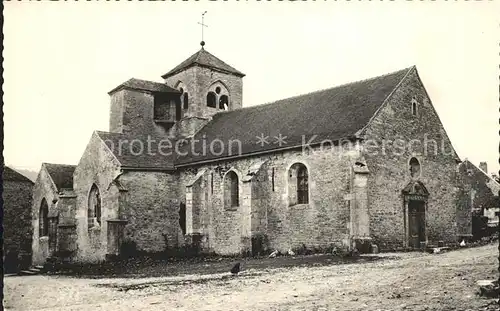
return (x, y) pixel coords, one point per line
(202, 26)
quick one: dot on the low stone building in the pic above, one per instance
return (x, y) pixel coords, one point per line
(54, 206)
(480, 193)
(184, 164)
(17, 230)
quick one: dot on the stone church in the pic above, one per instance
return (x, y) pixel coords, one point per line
(184, 163)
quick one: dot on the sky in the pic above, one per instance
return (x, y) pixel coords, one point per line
(61, 59)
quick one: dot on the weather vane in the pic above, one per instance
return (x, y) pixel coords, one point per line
(202, 26)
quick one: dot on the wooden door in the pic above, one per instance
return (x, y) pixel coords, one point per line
(416, 213)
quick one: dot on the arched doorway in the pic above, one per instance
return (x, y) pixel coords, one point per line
(415, 200)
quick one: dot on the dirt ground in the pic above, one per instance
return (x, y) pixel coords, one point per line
(392, 281)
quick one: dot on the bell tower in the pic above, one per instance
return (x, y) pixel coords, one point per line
(208, 86)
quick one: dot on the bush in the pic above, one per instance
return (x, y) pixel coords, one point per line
(260, 245)
(128, 249)
(479, 226)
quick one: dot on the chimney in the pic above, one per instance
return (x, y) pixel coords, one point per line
(483, 166)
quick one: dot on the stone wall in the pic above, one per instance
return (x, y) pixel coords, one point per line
(360, 213)
(116, 112)
(477, 192)
(97, 166)
(151, 208)
(195, 191)
(17, 222)
(261, 190)
(44, 188)
(147, 201)
(265, 209)
(388, 163)
(66, 206)
(66, 224)
(197, 200)
(187, 127)
(197, 82)
(132, 112)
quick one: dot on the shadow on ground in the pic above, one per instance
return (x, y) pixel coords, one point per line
(139, 268)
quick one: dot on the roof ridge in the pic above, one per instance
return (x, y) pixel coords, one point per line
(106, 132)
(142, 84)
(99, 133)
(58, 164)
(332, 114)
(321, 90)
(375, 114)
(479, 169)
(212, 55)
(199, 53)
(203, 58)
(138, 79)
(17, 176)
(96, 132)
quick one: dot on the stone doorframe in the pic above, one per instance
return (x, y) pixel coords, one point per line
(414, 191)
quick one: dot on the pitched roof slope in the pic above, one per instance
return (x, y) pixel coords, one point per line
(204, 59)
(144, 85)
(468, 164)
(13, 175)
(333, 114)
(61, 174)
(133, 152)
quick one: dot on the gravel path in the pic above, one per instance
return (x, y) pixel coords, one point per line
(404, 281)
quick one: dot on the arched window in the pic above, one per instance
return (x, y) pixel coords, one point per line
(302, 185)
(182, 217)
(298, 183)
(231, 190)
(414, 167)
(211, 100)
(184, 94)
(94, 207)
(43, 219)
(224, 102)
(218, 96)
(414, 107)
(185, 101)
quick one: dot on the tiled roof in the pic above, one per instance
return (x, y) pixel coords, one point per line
(61, 174)
(334, 113)
(127, 151)
(12, 175)
(204, 59)
(468, 165)
(144, 85)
